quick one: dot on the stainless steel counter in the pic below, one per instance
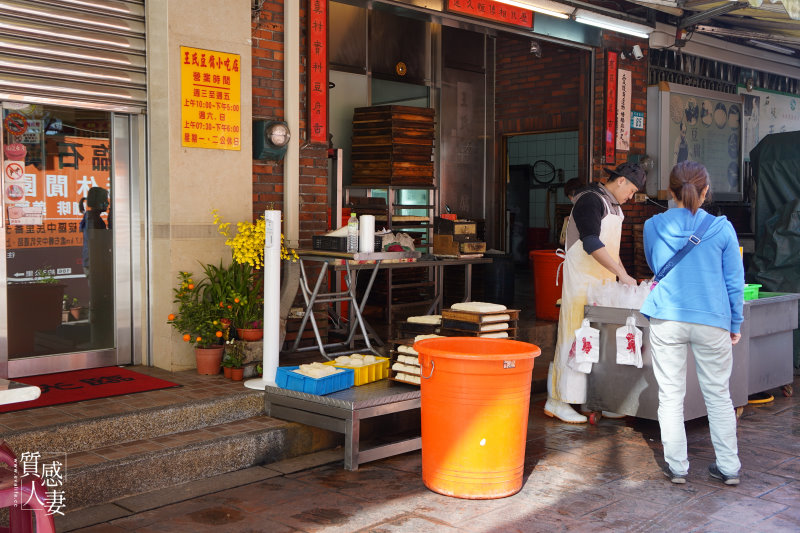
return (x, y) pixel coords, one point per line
(762, 360)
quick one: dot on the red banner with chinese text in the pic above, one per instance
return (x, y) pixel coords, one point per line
(318, 71)
(487, 9)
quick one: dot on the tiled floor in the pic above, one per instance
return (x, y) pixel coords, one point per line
(577, 478)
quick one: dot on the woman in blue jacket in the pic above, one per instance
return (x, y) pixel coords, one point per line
(698, 304)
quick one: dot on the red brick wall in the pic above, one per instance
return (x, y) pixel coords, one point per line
(617, 42)
(539, 94)
(634, 213)
(268, 102)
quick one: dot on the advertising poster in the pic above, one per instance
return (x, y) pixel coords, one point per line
(767, 112)
(41, 205)
(707, 130)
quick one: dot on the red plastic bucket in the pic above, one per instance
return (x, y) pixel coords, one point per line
(547, 293)
(475, 394)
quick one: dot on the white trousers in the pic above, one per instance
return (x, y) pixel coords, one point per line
(713, 357)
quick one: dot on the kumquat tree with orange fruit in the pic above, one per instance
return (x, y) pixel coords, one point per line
(199, 320)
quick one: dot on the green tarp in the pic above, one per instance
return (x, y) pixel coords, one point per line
(776, 262)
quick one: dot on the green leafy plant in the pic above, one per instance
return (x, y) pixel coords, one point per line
(69, 302)
(198, 319)
(234, 354)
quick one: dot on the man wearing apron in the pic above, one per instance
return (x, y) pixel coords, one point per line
(592, 245)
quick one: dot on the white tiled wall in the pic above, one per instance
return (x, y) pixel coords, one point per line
(560, 149)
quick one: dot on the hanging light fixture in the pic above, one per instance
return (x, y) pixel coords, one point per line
(614, 24)
(546, 7)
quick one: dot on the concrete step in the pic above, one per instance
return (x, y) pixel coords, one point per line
(117, 456)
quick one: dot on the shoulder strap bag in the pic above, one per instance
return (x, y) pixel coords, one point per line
(694, 240)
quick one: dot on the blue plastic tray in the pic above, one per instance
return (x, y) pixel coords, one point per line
(287, 379)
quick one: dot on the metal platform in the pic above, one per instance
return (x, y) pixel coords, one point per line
(343, 411)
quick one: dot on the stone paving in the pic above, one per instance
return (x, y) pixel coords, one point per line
(606, 477)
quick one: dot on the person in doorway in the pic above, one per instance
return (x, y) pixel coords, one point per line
(698, 304)
(92, 206)
(571, 187)
(592, 255)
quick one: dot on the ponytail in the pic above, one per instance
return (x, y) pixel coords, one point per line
(687, 181)
(81, 207)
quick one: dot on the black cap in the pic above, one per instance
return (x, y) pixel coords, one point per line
(631, 171)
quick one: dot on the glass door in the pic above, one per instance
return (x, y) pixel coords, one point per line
(58, 217)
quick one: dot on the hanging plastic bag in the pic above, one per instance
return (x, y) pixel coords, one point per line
(629, 344)
(585, 349)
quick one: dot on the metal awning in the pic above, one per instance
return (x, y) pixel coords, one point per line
(772, 24)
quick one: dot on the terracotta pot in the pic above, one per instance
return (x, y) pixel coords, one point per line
(208, 360)
(237, 374)
(226, 370)
(250, 334)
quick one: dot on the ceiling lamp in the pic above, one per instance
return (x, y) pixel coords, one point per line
(614, 24)
(546, 7)
(772, 47)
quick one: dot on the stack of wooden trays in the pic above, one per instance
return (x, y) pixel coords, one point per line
(392, 145)
(405, 360)
(413, 326)
(497, 324)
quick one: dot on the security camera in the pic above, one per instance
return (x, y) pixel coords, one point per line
(637, 52)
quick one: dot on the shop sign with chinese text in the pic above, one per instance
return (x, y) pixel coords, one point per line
(497, 11)
(43, 204)
(210, 99)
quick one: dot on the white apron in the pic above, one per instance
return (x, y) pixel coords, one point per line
(580, 270)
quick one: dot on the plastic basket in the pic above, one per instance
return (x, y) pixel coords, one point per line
(286, 378)
(751, 291)
(367, 373)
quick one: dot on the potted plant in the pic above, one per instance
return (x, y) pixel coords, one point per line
(245, 301)
(234, 353)
(199, 321)
(72, 306)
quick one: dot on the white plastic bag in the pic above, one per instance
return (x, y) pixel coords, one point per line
(629, 344)
(585, 349)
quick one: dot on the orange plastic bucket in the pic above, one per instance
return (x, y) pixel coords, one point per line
(475, 394)
(547, 293)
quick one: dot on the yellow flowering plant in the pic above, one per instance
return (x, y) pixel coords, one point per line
(247, 245)
(241, 294)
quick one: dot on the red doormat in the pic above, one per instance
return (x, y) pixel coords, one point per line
(79, 385)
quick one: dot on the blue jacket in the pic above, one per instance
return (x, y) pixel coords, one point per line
(707, 285)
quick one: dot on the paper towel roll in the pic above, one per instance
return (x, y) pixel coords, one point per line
(366, 233)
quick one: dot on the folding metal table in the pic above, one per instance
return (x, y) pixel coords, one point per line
(313, 296)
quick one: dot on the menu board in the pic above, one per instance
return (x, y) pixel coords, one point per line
(706, 130)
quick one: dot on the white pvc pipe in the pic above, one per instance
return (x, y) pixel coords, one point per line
(272, 301)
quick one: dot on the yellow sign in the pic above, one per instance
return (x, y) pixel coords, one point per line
(210, 99)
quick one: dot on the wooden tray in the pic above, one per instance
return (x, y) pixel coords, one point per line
(471, 316)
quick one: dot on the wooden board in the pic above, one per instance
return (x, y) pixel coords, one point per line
(473, 326)
(512, 333)
(479, 318)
